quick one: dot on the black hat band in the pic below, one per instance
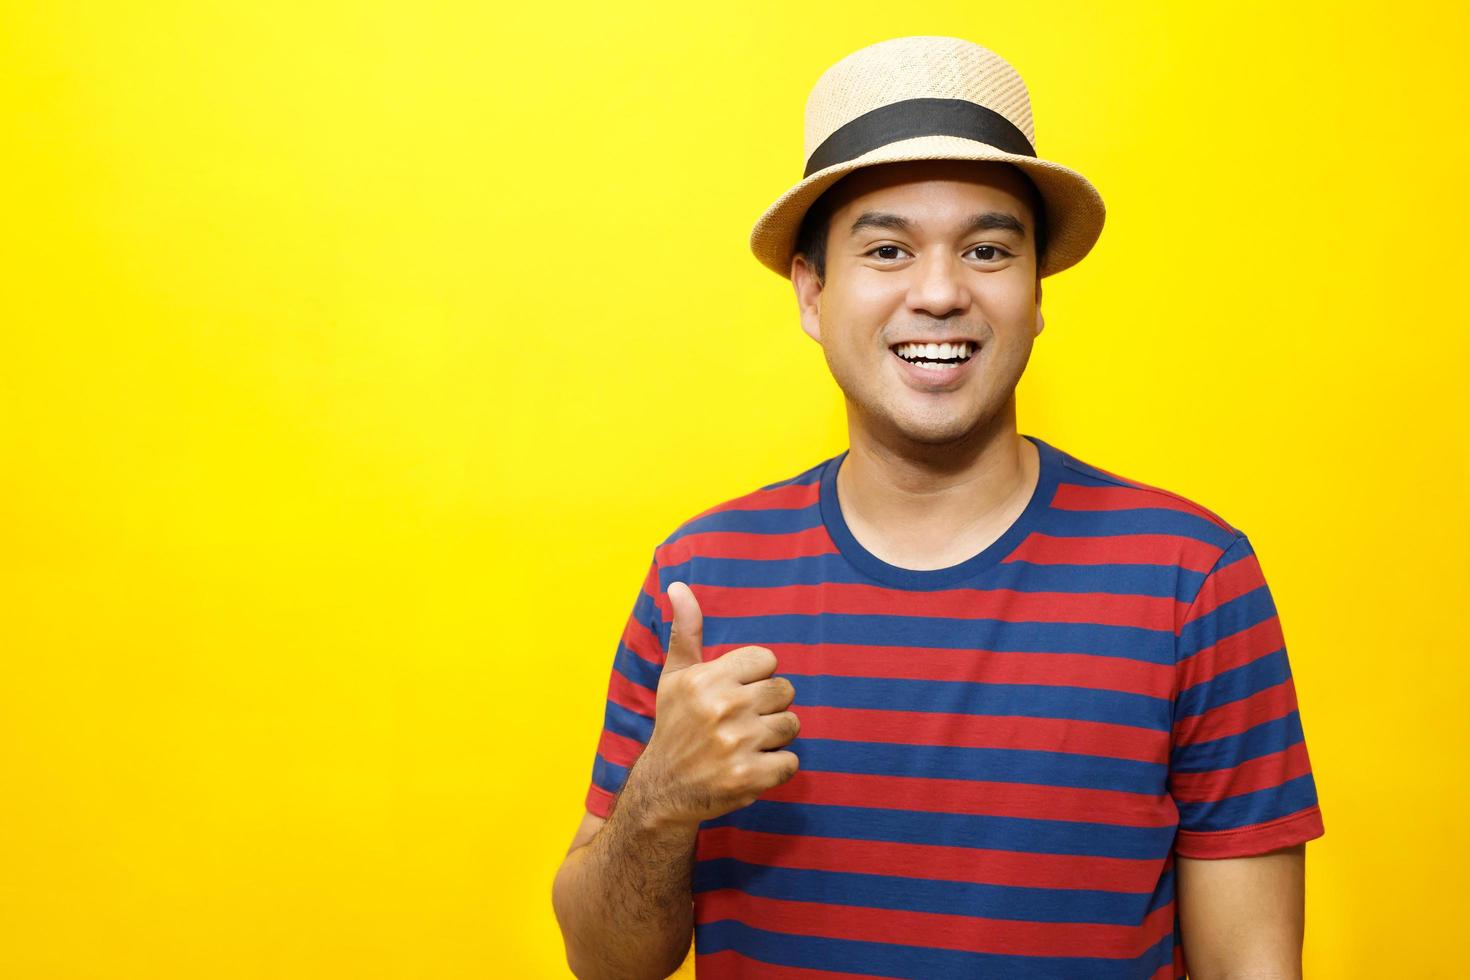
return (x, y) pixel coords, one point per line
(918, 117)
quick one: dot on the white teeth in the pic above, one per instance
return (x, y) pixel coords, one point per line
(962, 350)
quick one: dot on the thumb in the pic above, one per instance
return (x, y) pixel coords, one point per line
(686, 638)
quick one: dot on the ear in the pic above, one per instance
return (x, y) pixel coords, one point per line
(1040, 320)
(808, 296)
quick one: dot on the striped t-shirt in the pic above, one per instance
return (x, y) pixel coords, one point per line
(999, 759)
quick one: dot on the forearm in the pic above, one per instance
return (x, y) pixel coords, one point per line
(624, 899)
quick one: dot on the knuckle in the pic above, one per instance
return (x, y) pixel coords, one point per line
(708, 710)
(782, 727)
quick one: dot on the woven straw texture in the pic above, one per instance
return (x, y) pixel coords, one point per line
(914, 68)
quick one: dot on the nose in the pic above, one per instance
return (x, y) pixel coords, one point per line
(938, 287)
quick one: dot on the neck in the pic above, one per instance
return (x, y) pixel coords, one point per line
(925, 506)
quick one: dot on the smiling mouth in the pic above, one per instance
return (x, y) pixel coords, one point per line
(939, 356)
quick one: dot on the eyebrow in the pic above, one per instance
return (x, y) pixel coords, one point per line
(984, 221)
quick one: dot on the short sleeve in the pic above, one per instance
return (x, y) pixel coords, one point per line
(631, 690)
(1238, 771)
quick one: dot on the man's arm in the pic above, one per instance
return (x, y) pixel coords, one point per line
(1243, 918)
(622, 896)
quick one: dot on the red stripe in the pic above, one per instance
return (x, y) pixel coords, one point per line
(976, 797)
(1230, 582)
(642, 641)
(970, 664)
(1229, 652)
(937, 930)
(728, 964)
(938, 862)
(983, 731)
(1192, 506)
(1304, 825)
(741, 544)
(634, 697)
(792, 496)
(620, 750)
(1237, 716)
(1264, 772)
(599, 801)
(1117, 549)
(1075, 496)
(1004, 605)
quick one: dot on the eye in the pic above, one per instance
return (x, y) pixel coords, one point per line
(993, 249)
(881, 248)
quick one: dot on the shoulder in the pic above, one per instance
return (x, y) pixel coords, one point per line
(1083, 485)
(1122, 518)
(787, 505)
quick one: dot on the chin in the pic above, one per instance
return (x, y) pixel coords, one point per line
(935, 434)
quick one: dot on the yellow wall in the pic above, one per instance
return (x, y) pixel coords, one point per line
(355, 356)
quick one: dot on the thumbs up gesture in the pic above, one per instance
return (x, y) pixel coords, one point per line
(719, 725)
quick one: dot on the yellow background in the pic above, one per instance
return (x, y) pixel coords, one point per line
(356, 355)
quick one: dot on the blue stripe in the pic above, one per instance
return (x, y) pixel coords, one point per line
(876, 891)
(775, 521)
(608, 776)
(1227, 619)
(635, 668)
(1124, 580)
(1024, 834)
(1231, 751)
(646, 611)
(925, 963)
(1235, 684)
(1134, 520)
(629, 724)
(1246, 809)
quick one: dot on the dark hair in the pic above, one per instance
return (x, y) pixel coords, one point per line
(811, 237)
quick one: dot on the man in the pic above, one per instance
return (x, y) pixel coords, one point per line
(1033, 719)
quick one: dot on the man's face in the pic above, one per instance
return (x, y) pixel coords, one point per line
(921, 253)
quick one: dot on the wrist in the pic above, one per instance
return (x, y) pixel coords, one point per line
(647, 807)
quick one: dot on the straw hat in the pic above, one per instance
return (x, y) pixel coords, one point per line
(927, 98)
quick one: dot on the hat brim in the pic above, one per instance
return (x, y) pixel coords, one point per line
(1074, 208)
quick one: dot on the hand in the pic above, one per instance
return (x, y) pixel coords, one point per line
(718, 728)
